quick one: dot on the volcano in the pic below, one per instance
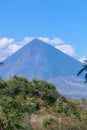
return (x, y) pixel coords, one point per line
(39, 60)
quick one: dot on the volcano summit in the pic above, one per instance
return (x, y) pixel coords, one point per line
(40, 60)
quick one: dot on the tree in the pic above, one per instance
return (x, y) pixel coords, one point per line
(82, 70)
(1, 64)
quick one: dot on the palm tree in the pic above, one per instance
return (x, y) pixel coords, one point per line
(1, 64)
(82, 70)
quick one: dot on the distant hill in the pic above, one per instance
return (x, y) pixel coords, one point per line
(40, 60)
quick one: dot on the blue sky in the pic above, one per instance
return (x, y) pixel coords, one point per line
(62, 23)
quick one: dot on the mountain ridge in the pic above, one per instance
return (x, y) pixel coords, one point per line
(40, 60)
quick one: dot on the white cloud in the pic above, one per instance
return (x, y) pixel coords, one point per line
(13, 48)
(25, 41)
(51, 41)
(7, 47)
(68, 49)
(59, 44)
(82, 59)
(10, 45)
(5, 42)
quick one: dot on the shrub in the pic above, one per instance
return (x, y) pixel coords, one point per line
(50, 123)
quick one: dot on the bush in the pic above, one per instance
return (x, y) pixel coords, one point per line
(50, 123)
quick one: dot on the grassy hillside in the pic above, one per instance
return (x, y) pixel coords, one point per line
(36, 105)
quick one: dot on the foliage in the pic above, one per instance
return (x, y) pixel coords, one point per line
(20, 98)
(50, 123)
(1, 64)
(82, 70)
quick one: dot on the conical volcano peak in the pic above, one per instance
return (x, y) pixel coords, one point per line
(40, 60)
(39, 44)
(37, 41)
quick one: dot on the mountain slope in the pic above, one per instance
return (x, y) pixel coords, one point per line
(42, 61)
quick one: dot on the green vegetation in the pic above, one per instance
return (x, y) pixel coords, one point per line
(36, 105)
(84, 68)
(1, 63)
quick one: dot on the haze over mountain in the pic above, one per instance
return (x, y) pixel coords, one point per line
(40, 60)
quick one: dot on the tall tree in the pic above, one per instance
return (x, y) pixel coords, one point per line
(1, 63)
(84, 68)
